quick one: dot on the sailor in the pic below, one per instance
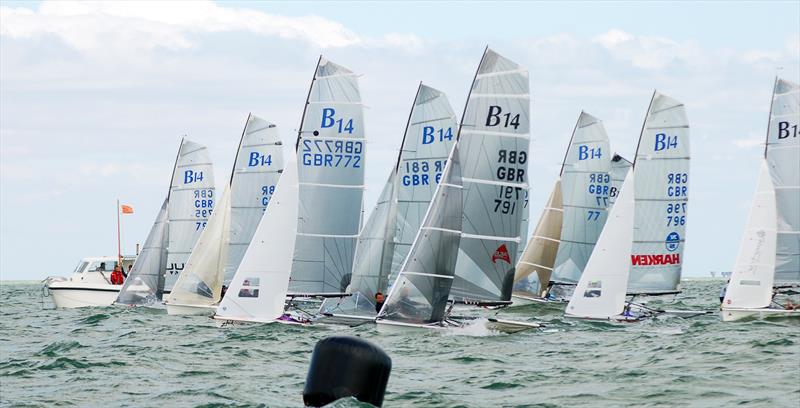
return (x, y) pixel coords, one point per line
(379, 299)
(723, 291)
(116, 276)
(101, 268)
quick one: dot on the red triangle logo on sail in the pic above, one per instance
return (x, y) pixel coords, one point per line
(501, 253)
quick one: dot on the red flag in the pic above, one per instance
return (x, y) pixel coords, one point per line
(126, 209)
(501, 253)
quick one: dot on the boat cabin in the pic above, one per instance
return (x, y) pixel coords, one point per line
(98, 269)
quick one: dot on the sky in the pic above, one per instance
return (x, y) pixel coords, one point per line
(95, 97)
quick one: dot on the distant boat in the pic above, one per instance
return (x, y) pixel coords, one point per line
(330, 154)
(90, 283)
(385, 240)
(220, 248)
(639, 250)
(494, 140)
(573, 217)
(768, 263)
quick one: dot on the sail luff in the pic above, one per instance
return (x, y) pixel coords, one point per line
(144, 283)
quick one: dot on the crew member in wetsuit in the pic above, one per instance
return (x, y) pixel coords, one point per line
(379, 299)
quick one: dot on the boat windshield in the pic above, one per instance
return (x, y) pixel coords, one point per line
(81, 266)
(101, 266)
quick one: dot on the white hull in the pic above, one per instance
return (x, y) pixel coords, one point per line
(731, 314)
(344, 319)
(191, 310)
(67, 294)
(510, 326)
(390, 327)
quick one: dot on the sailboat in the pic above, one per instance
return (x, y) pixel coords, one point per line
(572, 219)
(385, 240)
(494, 137)
(260, 284)
(183, 216)
(330, 154)
(419, 297)
(639, 250)
(220, 248)
(768, 263)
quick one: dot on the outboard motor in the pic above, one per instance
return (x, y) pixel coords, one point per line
(344, 366)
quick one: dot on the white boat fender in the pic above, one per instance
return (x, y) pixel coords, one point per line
(345, 366)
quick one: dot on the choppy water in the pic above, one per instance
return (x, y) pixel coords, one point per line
(142, 357)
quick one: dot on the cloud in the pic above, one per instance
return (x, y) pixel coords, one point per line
(647, 52)
(102, 26)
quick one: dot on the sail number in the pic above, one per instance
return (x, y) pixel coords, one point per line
(258, 159)
(585, 152)
(431, 134)
(677, 185)
(266, 194)
(329, 120)
(508, 197)
(783, 130)
(511, 157)
(191, 176)
(203, 206)
(599, 188)
(419, 172)
(496, 117)
(332, 153)
(665, 142)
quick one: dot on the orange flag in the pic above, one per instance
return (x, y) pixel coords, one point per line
(126, 209)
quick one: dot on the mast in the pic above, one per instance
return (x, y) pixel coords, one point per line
(769, 115)
(569, 145)
(305, 107)
(644, 123)
(408, 123)
(466, 105)
(241, 139)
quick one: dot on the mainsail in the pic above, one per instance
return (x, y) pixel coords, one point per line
(384, 241)
(331, 150)
(585, 189)
(420, 293)
(662, 187)
(600, 293)
(783, 155)
(494, 137)
(191, 201)
(259, 286)
(620, 167)
(145, 282)
(754, 273)
(257, 168)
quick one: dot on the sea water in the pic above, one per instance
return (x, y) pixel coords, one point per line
(142, 357)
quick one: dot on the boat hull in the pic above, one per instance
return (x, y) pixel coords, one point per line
(510, 326)
(734, 314)
(344, 320)
(190, 310)
(68, 294)
(391, 327)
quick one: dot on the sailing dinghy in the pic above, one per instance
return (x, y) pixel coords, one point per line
(768, 263)
(221, 246)
(639, 250)
(392, 226)
(258, 290)
(180, 221)
(330, 155)
(494, 138)
(572, 219)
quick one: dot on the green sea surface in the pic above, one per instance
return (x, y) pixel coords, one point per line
(141, 357)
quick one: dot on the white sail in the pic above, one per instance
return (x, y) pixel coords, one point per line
(191, 202)
(200, 282)
(536, 263)
(384, 241)
(331, 151)
(585, 188)
(257, 168)
(783, 156)
(753, 275)
(145, 282)
(524, 226)
(620, 167)
(494, 137)
(662, 188)
(260, 284)
(600, 293)
(420, 293)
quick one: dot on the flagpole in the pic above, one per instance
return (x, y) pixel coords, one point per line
(119, 239)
